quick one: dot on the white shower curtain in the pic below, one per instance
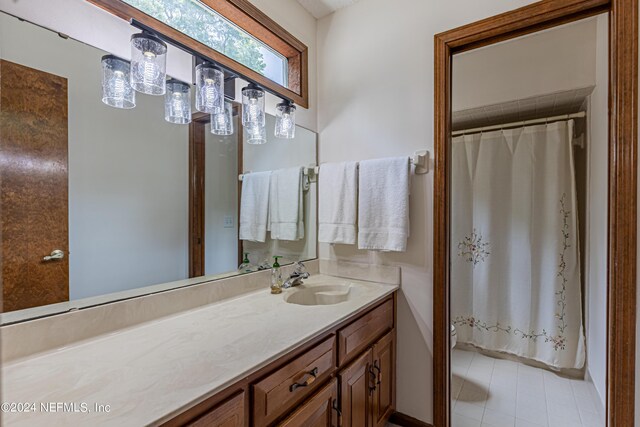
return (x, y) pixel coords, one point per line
(515, 268)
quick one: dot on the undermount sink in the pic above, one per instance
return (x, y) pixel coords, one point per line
(319, 295)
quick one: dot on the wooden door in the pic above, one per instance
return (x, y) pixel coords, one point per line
(33, 186)
(384, 363)
(319, 411)
(227, 414)
(356, 390)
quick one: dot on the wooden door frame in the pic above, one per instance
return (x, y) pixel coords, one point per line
(622, 193)
(197, 188)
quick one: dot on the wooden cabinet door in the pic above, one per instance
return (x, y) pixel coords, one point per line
(227, 414)
(320, 410)
(384, 364)
(356, 389)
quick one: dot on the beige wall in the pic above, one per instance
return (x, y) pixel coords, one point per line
(596, 238)
(555, 60)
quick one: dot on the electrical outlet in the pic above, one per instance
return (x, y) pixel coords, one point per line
(228, 221)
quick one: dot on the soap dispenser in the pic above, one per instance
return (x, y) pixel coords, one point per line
(276, 277)
(245, 267)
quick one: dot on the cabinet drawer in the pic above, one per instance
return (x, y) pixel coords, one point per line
(363, 332)
(320, 410)
(274, 395)
(227, 414)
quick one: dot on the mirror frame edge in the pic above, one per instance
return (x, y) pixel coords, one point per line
(622, 185)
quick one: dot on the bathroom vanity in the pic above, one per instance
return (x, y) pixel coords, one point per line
(341, 378)
(322, 353)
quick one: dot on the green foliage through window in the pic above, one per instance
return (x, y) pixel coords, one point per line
(205, 25)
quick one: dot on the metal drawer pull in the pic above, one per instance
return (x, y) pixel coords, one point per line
(377, 368)
(373, 379)
(338, 411)
(308, 381)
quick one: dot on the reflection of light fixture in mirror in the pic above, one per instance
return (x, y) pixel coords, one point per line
(177, 102)
(222, 123)
(252, 106)
(148, 64)
(116, 90)
(285, 120)
(256, 135)
(209, 88)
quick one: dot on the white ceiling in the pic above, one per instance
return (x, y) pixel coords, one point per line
(322, 8)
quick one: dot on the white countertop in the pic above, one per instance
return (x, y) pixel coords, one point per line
(153, 371)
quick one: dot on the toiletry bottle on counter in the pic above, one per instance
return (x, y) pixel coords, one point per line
(245, 267)
(276, 277)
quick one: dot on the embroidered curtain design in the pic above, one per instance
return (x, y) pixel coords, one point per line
(515, 268)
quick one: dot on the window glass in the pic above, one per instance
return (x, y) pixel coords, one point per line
(207, 26)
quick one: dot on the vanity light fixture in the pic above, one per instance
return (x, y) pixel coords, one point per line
(116, 90)
(256, 135)
(222, 123)
(177, 102)
(209, 88)
(253, 106)
(148, 64)
(285, 120)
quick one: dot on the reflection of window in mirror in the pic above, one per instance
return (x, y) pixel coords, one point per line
(100, 196)
(528, 187)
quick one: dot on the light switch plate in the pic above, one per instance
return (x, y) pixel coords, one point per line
(228, 221)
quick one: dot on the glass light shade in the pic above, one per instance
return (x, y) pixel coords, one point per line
(148, 64)
(253, 106)
(177, 102)
(222, 123)
(209, 89)
(256, 135)
(285, 120)
(116, 90)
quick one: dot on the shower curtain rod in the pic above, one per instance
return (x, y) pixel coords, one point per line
(521, 123)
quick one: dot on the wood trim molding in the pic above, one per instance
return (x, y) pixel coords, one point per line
(196, 194)
(623, 135)
(623, 167)
(405, 420)
(197, 173)
(252, 20)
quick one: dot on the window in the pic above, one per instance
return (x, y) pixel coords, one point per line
(207, 26)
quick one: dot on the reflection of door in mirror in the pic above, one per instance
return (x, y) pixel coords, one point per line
(528, 188)
(33, 177)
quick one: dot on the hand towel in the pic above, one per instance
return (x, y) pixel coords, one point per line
(286, 210)
(254, 206)
(337, 202)
(383, 204)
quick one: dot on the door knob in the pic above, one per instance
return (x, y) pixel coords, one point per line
(56, 254)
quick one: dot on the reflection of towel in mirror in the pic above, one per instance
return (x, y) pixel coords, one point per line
(254, 206)
(286, 210)
(337, 204)
(383, 204)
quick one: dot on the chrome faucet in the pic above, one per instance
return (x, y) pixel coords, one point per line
(295, 279)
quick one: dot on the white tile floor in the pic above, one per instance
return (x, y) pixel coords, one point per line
(490, 392)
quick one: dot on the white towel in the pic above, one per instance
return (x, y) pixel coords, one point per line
(286, 210)
(337, 204)
(254, 206)
(383, 204)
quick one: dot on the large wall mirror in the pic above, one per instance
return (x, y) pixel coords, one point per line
(98, 203)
